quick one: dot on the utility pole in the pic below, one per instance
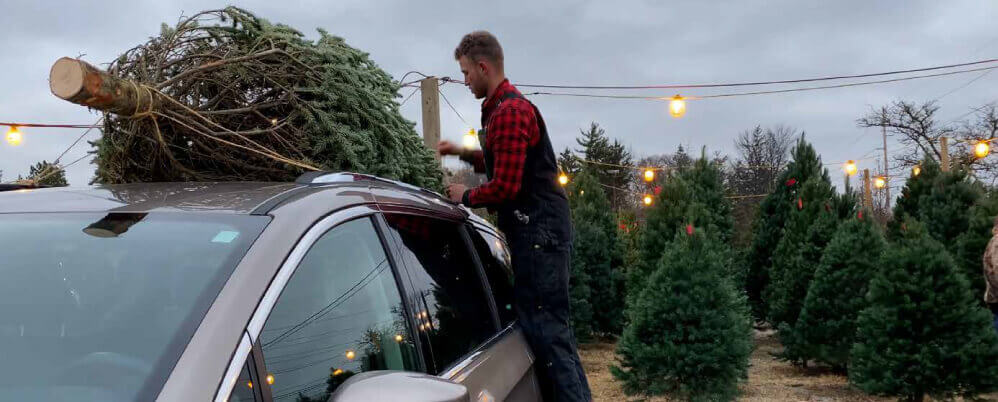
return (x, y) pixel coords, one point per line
(944, 149)
(867, 194)
(429, 88)
(887, 174)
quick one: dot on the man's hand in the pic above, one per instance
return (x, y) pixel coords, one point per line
(456, 192)
(448, 148)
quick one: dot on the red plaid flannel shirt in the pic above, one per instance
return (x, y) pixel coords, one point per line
(512, 128)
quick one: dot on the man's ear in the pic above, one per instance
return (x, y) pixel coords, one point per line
(483, 67)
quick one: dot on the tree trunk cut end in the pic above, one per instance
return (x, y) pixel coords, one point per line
(66, 78)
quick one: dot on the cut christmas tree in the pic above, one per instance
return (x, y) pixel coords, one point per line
(226, 95)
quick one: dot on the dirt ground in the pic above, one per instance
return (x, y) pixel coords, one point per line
(769, 379)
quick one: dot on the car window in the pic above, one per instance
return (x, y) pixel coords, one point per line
(247, 388)
(115, 296)
(452, 307)
(496, 261)
(340, 314)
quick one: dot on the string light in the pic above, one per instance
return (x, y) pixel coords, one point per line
(14, 136)
(850, 167)
(677, 106)
(270, 379)
(880, 182)
(470, 139)
(337, 372)
(398, 338)
(982, 149)
(647, 200)
(273, 122)
(351, 355)
(649, 175)
(916, 170)
(563, 179)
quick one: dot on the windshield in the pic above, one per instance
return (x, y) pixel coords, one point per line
(100, 306)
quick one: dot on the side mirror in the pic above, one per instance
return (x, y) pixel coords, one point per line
(399, 386)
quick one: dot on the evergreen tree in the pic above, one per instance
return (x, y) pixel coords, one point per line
(810, 226)
(47, 175)
(691, 196)
(772, 217)
(922, 332)
(915, 188)
(955, 210)
(969, 247)
(689, 333)
(609, 156)
(827, 324)
(595, 251)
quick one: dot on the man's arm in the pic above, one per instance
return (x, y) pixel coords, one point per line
(476, 158)
(508, 139)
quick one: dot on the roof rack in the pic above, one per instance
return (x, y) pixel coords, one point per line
(318, 178)
(14, 187)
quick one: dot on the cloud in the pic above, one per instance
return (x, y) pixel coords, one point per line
(573, 42)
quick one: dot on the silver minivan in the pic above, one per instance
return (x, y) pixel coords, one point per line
(341, 287)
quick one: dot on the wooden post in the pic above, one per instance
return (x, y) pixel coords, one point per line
(887, 172)
(78, 82)
(430, 91)
(944, 149)
(867, 194)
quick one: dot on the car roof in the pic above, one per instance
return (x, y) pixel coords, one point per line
(222, 197)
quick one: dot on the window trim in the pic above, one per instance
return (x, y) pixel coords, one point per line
(250, 342)
(236, 363)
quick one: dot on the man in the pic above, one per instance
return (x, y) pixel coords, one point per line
(532, 210)
(991, 273)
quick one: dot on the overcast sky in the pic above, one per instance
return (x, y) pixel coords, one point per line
(591, 42)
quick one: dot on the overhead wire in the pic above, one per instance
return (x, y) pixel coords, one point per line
(757, 83)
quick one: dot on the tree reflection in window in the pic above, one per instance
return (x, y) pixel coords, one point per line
(339, 314)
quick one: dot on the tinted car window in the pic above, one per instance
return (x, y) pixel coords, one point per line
(247, 387)
(100, 306)
(340, 314)
(453, 310)
(496, 261)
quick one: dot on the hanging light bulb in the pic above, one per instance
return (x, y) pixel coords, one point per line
(677, 106)
(270, 379)
(649, 175)
(351, 355)
(470, 139)
(398, 338)
(916, 170)
(14, 136)
(880, 182)
(982, 149)
(850, 167)
(647, 200)
(563, 179)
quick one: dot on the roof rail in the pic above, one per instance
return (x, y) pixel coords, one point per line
(316, 178)
(13, 187)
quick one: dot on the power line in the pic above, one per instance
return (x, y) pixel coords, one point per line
(452, 108)
(50, 125)
(738, 94)
(407, 97)
(739, 84)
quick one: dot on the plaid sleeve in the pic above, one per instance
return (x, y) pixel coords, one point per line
(509, 135)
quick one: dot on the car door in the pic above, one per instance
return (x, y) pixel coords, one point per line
(457, 324)
(335, 309)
